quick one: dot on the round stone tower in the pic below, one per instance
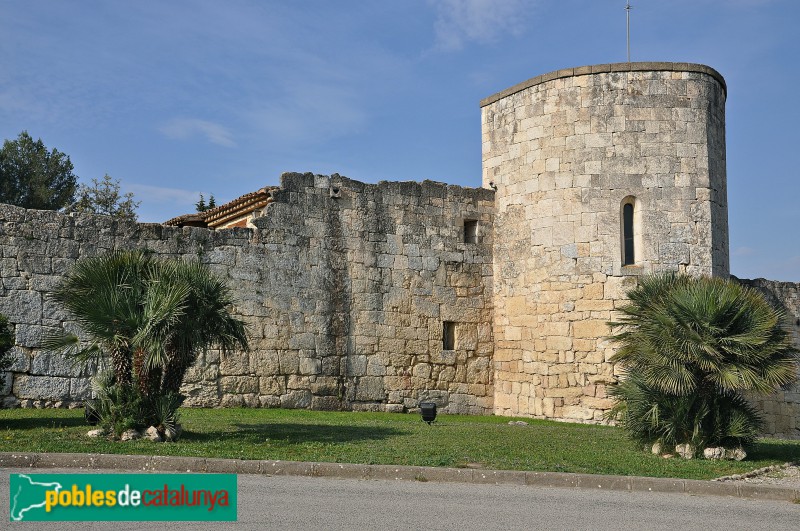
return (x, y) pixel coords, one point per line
(602, 173)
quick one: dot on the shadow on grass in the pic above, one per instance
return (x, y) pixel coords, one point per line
(295, 433)
(42, 422)
(782, 451)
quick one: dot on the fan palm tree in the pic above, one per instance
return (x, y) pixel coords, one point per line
(188, 310)
(691, 347)
(150, 317)
(105, 294)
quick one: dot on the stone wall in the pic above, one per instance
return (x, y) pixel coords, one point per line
(781, 409)
(353, 291)
(564, 152)
(344, 285)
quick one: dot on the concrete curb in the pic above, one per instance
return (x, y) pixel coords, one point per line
(395, 473)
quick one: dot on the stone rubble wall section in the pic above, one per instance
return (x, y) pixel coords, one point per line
(344, 287)
(563, 152)
(781, 409)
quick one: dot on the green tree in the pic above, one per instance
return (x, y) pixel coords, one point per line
(202, 206)
(690, 348)
(32, 177)
(151, 317)
(104, 198)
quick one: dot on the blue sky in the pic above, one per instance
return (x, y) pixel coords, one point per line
(181, 97)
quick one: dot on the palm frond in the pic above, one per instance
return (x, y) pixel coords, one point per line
(151, 317)
(690, 346)
(70, 346)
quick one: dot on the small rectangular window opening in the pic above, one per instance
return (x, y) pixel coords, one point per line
(471, 231)
(448, 335)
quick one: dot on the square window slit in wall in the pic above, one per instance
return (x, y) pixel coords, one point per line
(471, 231)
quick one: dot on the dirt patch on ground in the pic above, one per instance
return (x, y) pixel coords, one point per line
(787, 475)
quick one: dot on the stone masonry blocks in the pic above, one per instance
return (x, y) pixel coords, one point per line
(374, 298)
(343, 296)
(571, 148)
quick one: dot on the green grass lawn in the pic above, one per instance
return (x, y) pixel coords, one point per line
(384, 438)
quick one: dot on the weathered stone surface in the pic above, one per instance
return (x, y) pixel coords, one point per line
(200, 395)
(685, 450)
(296, 400)
(235, 363)
(736, 454)
(41, 387)
(266, 363)
(54, 364)
(326, 403)
(130, 435)
(310, 366)
(10, 402)
(80, 388)
(565, 153)
(714, 453)
(30, 335)
(152, 434)
(324, 283)
(22, 306)
(346, 294)
(269, 401)
(656, 449)
(239, 384)
(20, 360)
(370, 388)
(272, 385)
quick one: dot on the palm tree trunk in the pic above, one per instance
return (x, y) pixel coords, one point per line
(121, 360)
(140, 372)
(178, 364)
(173, 377)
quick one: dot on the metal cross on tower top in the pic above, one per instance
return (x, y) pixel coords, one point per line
(628, 25)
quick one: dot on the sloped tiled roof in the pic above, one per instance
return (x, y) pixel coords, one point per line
(218, 216)
(187, 220)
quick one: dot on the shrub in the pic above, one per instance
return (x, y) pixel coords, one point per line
(6, 343)
(120, 407)
(690, 347)
(151, 318)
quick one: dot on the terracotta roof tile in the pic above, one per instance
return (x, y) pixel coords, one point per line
(217, 216)
(188, 220)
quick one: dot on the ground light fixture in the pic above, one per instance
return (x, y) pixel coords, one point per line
(428, 411)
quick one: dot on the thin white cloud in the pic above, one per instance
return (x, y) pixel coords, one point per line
(183, 128)
(159, 203)
(13, 100)
(743, 251)
(309, 113)
(160, 194)
(787, 270)
(461, 21)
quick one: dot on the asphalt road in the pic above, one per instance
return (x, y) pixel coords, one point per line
(288, 502)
